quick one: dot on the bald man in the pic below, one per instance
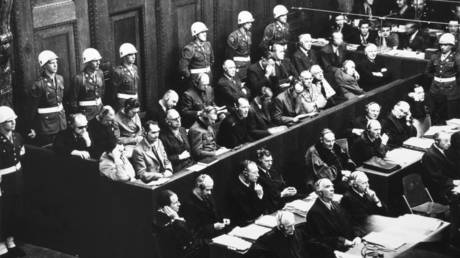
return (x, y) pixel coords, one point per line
(229, 87)
(373, 72)
(360, 201)
(398, 125)
(327, 223)
(370, 144)
(234, 129)
(75, 140)
(168, 101)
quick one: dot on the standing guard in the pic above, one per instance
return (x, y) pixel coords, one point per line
(11, 183)
(277, 31)
(88, 86)
(239, 43)
(47, 116)
(126, 78)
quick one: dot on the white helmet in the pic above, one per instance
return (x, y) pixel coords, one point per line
(245, 17)
(127, 49)
(447, 38)
(90, 54)
(279, 10)
(197, 28)
(6, 114)
(45, 56)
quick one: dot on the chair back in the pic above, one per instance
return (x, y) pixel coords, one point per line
(343, 143)
(414, 190)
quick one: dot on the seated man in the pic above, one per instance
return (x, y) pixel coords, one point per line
(420, 109)
(114, 164)
(229, 87)
(333, 94)
(75, 140)
(284, 105)
(370, 144)
(276, 192)
(175, 140)
(343, 27)
(333, 54)
(202, 137)
(347, 79)
(326, 159)
(247, 195)
(195, 99)
(149, 157)
(327, 223)
(364, 36)
(259, 120)
(440, 173)
(360, 201)
(168, 101)
(200, 210)
(359, 124)
(304, 57)
(387, 39)
(261, 74)
(372, 70)
(415, 39)
(234, 129)
(398, 124)
(285, 71)
(129, 124)
(311, 100)
(102, 131)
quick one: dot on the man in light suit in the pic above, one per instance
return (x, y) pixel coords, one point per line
(149, 157)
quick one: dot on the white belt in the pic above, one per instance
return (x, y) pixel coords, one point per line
(200, 70)
(284, 85)
(242, 58)
(48, 110)
(87, 103)
(12, 169)
(449, 79)
(126, 96)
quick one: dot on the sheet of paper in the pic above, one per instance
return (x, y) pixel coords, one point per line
(419, 143)
(159, 181)
(385, 239)
(268, 221)
(232, 242)
(438, 128)
(197, 167)
(403, 156)
(250, 232)
(453, 122)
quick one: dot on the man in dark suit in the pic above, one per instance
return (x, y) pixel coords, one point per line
(327, 223)
(284, 105)
(342, 26)
(387, 39)
(75, 140)
(414, 40)
(440, 173)
(370, 144)
(175, 141)
(168, 101)
(398, 124)
(364, 36)
(229, 87)
(234, 129)
(200, 211)
(276, 191)
(304, 57)
(359, 124)
(261, 74)
(247, 195)
(285, 71)
(360, 201)
(333, 55)
(372, 70)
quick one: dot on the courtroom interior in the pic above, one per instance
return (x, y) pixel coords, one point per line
(229, 128)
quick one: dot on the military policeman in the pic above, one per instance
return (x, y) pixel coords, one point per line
(47, 116)
(126, 78)
(11, 182)
(277, 31)
(239, 43)
(197, 56)
(88, 86)
(444, 68)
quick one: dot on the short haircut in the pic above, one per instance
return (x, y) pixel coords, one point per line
(169, 94)
(148, 124)
(370, 46)
(346, 62)
(105, 111)
(336, 33)
(303, 37)
(385, 25)
(363, 22)
(371, 123)
(262, 152)
(437, 135)
(315, 69)
(201, 180)
(355, 176)
(244, 165)
(131, 103)
(368, 105)
(75, 117)
(284, 217)
(324, 132)
(164, 198)
(318, 184)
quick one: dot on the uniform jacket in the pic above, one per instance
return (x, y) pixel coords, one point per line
(303, 62)
(46, 93)
(449, 67)
(174, 146)
(128, 129)
(11, 153)
(202, 139)
(125, 81)
(192, 101)
(397, 130)
(239, 43)
(87, 88)
(147, 158)
(228, 91)
(363, 149)
(367, 80)
(195, 56)
(275, 32)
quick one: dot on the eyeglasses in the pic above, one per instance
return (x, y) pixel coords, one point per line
(82, 127)
(307, 79)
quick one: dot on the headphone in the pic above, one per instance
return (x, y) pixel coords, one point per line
(199, 182)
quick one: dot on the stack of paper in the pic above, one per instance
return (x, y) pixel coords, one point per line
(299, 207)
(268, 221)
(385, 239)
(453, 122)
(231, 242)
(403, 156)
(251, 232)
(438, 128)
(421, 144)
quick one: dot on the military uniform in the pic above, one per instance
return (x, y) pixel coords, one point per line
(275, 32)
(126, 83)
(12, 184)
(48, 115)
(444, 90)
(196, 58)
(239, 47)
(87, 92)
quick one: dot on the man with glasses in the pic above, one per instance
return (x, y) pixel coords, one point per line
(75, 140)
(398, 125)
(175, 141)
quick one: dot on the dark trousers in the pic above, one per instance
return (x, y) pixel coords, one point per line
(11, 207)
(443, 109)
